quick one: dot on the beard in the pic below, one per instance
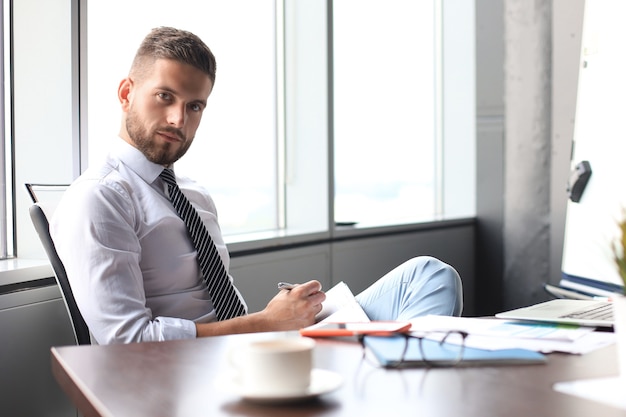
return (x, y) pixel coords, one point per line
(164, 153)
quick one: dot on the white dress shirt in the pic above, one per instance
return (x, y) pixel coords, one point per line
(128, 256)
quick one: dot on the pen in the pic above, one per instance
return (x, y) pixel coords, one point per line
(286, 286)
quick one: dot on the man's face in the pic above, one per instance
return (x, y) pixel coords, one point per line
(163, 109)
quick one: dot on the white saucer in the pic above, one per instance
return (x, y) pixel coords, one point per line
(322, 382)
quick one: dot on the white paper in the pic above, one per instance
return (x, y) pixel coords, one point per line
(341, 306)
(504, 334)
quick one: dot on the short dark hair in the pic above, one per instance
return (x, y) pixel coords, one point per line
(175, 44)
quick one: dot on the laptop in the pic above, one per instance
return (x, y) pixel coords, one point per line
(596, 313)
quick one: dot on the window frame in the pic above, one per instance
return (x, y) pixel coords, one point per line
(7, 205)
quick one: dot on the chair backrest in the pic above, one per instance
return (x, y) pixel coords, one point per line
(40, 221)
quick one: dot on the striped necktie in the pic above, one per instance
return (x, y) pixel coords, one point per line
(225, 299)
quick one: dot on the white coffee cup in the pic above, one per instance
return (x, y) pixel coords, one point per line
(276, 366)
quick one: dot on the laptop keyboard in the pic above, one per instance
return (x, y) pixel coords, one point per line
(601, 312)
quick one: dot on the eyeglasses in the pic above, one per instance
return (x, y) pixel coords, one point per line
(406, 350)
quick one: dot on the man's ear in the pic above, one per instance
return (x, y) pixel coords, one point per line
(124, 92)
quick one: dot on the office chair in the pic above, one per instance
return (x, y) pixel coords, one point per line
(40, 221)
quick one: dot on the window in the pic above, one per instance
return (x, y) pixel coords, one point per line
(403, 111)
(359, 113)
(385, 108)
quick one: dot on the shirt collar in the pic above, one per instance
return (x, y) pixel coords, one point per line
(134, 159)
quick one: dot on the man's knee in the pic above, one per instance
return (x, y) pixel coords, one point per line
(441, 278)
(429, 266)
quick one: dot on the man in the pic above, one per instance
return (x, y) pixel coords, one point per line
(128, 253)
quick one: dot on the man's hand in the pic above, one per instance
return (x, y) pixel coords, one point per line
(288, 310)
(296, 308)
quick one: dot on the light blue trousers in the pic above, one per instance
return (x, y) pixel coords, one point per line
(420, 286)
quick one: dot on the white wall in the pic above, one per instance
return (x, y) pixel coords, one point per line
(567, 38)
(592, 223)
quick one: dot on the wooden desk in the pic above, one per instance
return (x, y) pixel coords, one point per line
(178, 379)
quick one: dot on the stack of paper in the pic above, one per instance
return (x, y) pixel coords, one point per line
(494, 334)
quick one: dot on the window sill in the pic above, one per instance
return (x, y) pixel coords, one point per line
(15, 271)
(240, 245)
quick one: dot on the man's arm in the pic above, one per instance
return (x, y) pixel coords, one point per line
(288, 310)
(94, 231)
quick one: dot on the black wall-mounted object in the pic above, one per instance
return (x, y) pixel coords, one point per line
(578, 180)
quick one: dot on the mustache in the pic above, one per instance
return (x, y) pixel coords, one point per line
(177, 132)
